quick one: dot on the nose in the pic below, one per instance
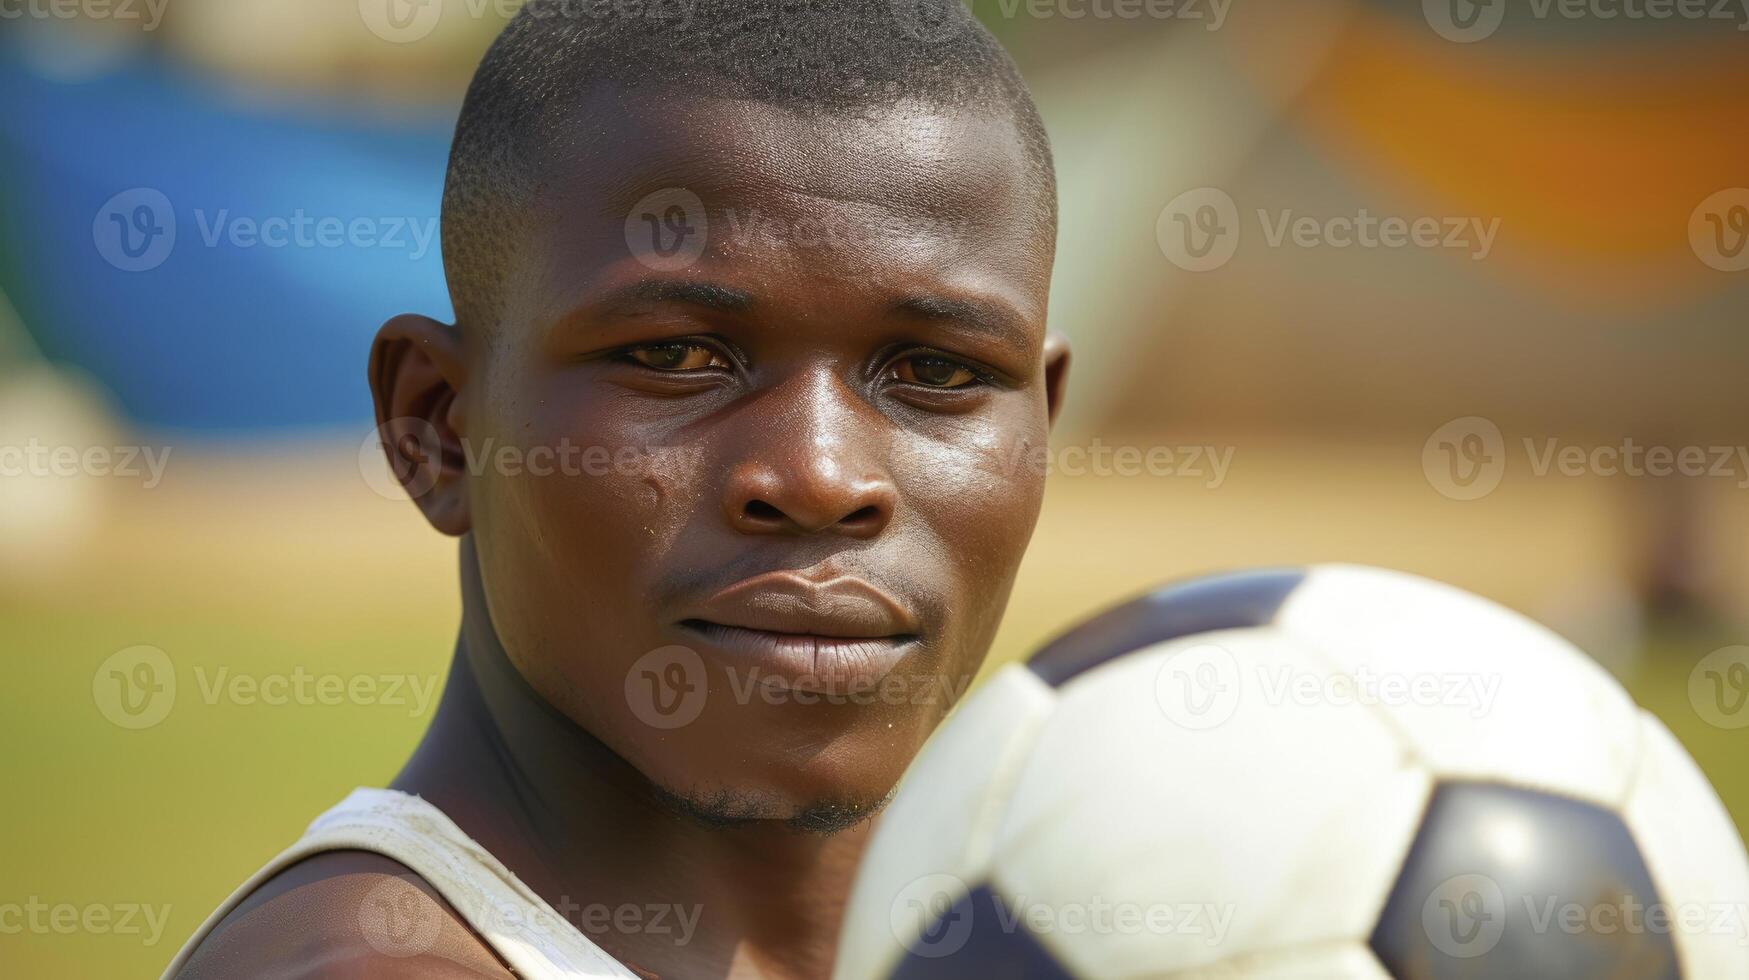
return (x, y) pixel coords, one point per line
(812, 463)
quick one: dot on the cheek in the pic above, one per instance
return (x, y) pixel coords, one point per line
(566, 547)
(978, 488)
(976, 497)
(663, 490)
(588, 501)
(617, 509)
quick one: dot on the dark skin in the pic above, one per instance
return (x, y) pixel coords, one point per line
(847, 394)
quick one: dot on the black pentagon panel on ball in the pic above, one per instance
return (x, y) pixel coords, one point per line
(978, 937)
(1219, 602)
(1512, 884)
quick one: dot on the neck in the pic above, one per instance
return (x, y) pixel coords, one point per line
(663, 892)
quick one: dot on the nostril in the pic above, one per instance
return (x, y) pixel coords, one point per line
(761, 511)
(863, 517)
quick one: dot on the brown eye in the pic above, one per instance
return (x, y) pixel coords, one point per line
(678, 357)
(934, 372)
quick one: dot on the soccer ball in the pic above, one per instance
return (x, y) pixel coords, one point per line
(1333, 772)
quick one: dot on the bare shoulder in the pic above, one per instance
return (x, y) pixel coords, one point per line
(340, 915)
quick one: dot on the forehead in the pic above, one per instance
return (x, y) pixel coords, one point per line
(903, 196)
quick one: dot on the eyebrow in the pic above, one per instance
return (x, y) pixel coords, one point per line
(708, 295)
(994, 319)
(983, 316)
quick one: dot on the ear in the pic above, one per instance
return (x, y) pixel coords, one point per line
(416, 376)
(1056, 373)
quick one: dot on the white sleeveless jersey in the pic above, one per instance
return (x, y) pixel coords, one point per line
(537, 942)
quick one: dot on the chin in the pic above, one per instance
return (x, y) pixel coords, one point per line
(834, 787)
(729, 808)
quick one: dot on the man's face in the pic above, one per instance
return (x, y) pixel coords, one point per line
(770, 500)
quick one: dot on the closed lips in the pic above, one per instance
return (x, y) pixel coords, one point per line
(786, 602)
(799, 633)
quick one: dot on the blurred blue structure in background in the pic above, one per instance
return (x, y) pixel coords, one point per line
(219, 266)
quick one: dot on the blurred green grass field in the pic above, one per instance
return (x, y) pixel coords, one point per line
(176, 815)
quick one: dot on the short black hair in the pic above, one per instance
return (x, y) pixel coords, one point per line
(836, 56)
